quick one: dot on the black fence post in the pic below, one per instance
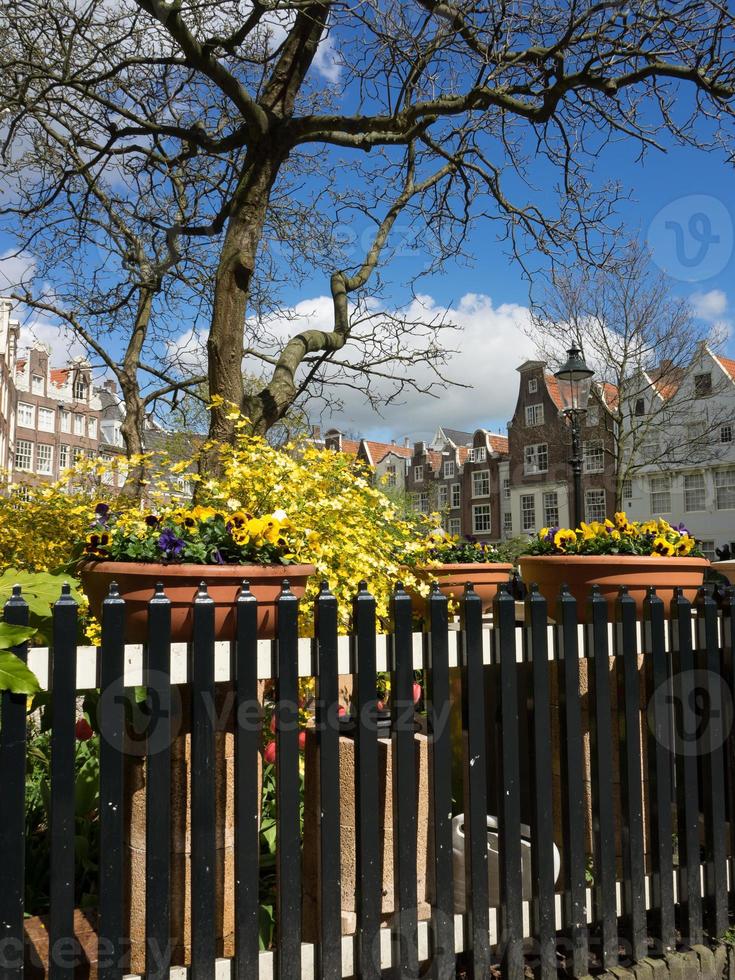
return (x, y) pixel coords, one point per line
(631, 759)
(369, 888)
(728, 676)
(12, 825)
(536, 650)
(157, 680)
(288, 786)
(63, 671)
(327, 729)
(687, 776)
(440, 747)
(572, 784)
(509, 817)
(248, 733)
(660, 788)
(713, 765)
(112, 939)
(404, 931)
(203, 790)
(601, 751)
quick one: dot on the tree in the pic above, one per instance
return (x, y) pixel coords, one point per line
(428, 111)
(644, 344)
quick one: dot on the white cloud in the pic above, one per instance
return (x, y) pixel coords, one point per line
(709, 306)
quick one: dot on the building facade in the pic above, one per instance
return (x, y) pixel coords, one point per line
(9, 332)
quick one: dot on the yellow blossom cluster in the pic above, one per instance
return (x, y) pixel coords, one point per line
(616, 536)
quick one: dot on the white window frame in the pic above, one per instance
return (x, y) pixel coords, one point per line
(626, 489)
(26, 415)
(24, 455)
(44, 459)
(593, 455)
(46, 419)
(421, 502)
(483, 511)
(532, 386)
(506, 488)
(660, 494)
(725, 489)
(37, 389)
(418, 474)
(454, 526)
(534, 414)
(78, 424)
(448, 468)
(80, 389)
(443, 496)
(726, 433)
(63, 456)
(532, 458)
(507, 524)
(481, 479)
(695, 492)
(594, 504)
(391, 475)
(708, 550)
(65, 420)
(477, 455)
(548, 505)
(528, 525)
(91, 427)
(455, 495)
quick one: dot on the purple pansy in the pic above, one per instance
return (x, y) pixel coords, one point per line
(170, 543)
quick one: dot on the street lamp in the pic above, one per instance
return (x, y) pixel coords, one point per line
(577, 379)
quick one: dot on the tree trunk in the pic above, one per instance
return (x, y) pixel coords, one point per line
(133, 423)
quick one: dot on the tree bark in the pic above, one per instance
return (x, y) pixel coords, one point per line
(133, 424)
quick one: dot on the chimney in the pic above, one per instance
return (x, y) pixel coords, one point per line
(110, 385)
(665, 366)
(406, 442)
(419, 448)
(393, 442)
(316, 432)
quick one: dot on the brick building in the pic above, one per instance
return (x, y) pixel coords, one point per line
(9, 331)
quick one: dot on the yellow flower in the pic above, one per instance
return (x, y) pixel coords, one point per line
(543, 533)
(564, 537)
(663, 547)
(684, 545)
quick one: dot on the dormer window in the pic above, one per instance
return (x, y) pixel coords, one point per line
(37, 384)
(534, 414)
(80, 389)
(532, 386)
(449, 468)
(418, 474)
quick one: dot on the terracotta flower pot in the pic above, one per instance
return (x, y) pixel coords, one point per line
(452, 578)
(137, 581)
(726, 568)
(609, 572)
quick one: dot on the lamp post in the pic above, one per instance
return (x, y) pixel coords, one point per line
(577, 379)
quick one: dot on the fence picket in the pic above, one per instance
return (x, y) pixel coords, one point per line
(542, 812)
(634, 927)
(404, 929)
(728, 676)
(111, 932)
(713, 766)
(288, 785)
(369, 866)
(63, 668)
(509, 817)
(158, 789)
(438, 706)
(572, 784)
(203, 791)
(248, 731)
(12, 824)
(327, 727)
(687, 777)
(603, 803)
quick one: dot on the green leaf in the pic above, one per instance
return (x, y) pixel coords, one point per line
(11, 636)
(15, 675)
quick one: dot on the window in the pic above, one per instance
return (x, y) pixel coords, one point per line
(551, 509)
(481, 519)
(448, 468)
(27, 415)
(421, 502)
(528, 512)
(65, 420)
(725, 433)
(694, 492)
(46, 419)
(443, 496)
(23, 455)
(108, 477)
(640, 406)
(506, 488)
(455, 495)
(63, 457)
(507, 524)
(725, 489)
(536, 458)
(708, 550)
(481, 483)
(23, 491)
(702, 385)
(418, 474)
(594, 457)
(92, 427)
(80, 388)
(593, 416)
(44, 459)
(660, 495)
(534, 414)
(390, 475)
(532, 386)
(78, 425)
(76, 454)
(627, 489)
(594, 505)
(37, 384)
(478, 455)
(454, 527)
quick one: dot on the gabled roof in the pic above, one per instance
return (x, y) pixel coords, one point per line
(728, 366)
(376, 452)
(350, 446)
(59, 376)
(498, 444)
(554, 389)
(457, 436)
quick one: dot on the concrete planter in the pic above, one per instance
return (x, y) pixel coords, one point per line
(609, 572)
(137, 580)
(726, 568)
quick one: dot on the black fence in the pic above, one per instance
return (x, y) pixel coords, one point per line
(612, 741)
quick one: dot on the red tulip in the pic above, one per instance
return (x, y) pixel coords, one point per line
(380, 705)
(417, 692)
(302, 741)
(273, 723)
(269, 753)
(83, 730)
(341, 710)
